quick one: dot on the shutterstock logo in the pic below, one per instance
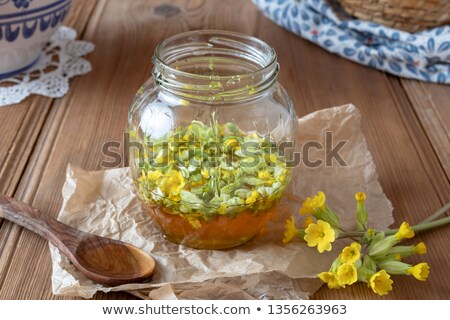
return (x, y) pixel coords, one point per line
(312, 154)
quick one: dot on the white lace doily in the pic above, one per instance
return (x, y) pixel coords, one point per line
(60, 60)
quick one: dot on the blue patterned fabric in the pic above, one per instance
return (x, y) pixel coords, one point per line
(423, 55)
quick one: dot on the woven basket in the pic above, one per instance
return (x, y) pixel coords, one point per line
(408, 15)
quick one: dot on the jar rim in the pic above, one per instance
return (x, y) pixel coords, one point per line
(254, 60)
(158, 54)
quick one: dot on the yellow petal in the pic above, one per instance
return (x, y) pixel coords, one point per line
(405, 231)
(347, 274)
(380, 282)
(420, 248)
(330, 279)
(420, 271)
(360, 197)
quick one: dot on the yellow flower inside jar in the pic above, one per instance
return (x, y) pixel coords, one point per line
(212, 138)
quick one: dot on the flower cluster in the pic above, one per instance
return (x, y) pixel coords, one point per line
(320, 234)
(200, 171)
(372, 258)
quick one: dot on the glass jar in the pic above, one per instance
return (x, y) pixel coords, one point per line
(210, 133)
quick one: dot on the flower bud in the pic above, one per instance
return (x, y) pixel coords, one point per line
(360, 197)
(364, 274)
(369, 264)
(394, 267)
(361, 212)
(402, 251)
(368, 236)
(324, 213)
(379, 247)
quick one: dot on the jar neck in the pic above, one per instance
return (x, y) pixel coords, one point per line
(215, 66)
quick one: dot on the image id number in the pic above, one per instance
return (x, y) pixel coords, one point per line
(304, 309)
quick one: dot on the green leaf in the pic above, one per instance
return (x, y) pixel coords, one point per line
(191, 199)
(252, 181)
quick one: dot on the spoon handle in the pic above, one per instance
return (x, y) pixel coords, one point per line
(34, 220)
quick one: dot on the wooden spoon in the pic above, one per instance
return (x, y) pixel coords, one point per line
(102, 260)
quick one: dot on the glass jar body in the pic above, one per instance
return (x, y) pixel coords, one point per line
(210, 163)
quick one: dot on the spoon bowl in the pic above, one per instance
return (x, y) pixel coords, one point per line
(103, 260)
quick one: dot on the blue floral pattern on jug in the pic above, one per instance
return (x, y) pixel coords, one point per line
(27, 22)
(423, 55)
(22, 3)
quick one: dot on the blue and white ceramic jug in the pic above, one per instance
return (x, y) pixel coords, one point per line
(25, 26)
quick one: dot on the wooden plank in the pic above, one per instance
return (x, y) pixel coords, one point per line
(431, 103)
(23, 124)
(314, 78)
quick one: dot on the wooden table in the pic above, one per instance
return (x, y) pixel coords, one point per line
(406, 124)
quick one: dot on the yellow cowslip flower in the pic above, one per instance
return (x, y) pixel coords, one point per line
(175, 197)
(330, 278)
(307, 222)
(319, 199)
(154, 175)
(197, 183)
(360, 196)
(290, 230)
(351, 253)
(404, 231)
(308, 206)
(420, 248)
(347, 274)
(253, 197)
(320, 234)
(381, 246)
(222, 209)
(420, 271)
(225, 175)
(398, 257)
(172, 183)
(370, 232)
(381, 282)
(205, 173)
(231, 143)
(264, 174)
(311, 204)
(194, 222)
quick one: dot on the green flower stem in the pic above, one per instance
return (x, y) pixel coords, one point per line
(351, 234)
(417, 228)
(438, 213)
(425, 226)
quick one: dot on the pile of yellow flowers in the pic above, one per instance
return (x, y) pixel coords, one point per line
(373, 258)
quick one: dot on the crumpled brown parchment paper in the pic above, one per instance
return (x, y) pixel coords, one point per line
(104, 203)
